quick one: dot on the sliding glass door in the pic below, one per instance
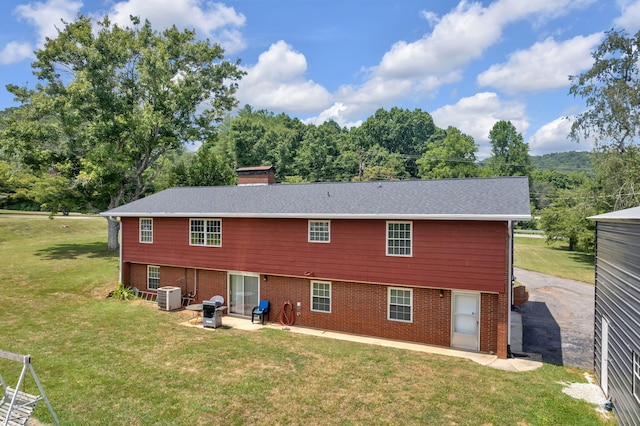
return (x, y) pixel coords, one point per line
(244, 291)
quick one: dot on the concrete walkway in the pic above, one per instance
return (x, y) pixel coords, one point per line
(511, 364)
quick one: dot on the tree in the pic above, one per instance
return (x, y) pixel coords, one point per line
(398, 131)
(611, 89)
(318, 152)
(449, 154)
(510, 155)
(111, 101)
(567, 220)
(206, 168)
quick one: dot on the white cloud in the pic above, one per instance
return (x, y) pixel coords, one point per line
(338, 112)
(216, 21)
(461, 36)
(476, 115)
(277, 82)
(46, 16)
(553, 137)
(629, 18)
(545, 65)
(15, 52)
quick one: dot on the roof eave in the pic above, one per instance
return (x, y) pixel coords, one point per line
(482, 217)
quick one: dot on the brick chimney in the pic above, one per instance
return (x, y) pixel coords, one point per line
(258, 175)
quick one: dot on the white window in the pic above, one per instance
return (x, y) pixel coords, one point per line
(398, 238)
(205, 232)
(400, 303)
(636, 375)
(153, 277)
(319, 231)
(320, 296)
(146, 230)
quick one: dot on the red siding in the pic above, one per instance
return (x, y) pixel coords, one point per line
(446, 254)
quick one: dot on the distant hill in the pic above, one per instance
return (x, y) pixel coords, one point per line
(571, 161)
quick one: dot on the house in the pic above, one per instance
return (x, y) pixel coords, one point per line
(617, 311)
(425, 261)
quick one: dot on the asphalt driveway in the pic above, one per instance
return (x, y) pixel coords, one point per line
(557, 321)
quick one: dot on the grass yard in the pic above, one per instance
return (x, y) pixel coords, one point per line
(107, 362)
(534, 254)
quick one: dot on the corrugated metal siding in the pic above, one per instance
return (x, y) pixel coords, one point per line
(618, 300)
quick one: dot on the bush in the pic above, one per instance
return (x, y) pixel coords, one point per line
(123, 293)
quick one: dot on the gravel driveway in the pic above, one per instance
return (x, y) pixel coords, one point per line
(557, 321)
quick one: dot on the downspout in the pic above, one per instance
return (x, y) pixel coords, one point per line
(120, 274)
(195, 282)
(510, 284)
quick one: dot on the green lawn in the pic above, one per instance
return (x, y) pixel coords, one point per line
(106, 362)
(534, 254)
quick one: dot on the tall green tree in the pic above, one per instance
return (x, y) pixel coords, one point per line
(398, 131)
(567, 221)
(449, 154)
(205, 168)
(510, 154)
(316, 158)
(611, 89)
(111, 101)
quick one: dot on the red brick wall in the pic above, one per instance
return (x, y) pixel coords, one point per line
(488, 322)
(362, 309)
(209, 283)
(520, 295)
(355, 307)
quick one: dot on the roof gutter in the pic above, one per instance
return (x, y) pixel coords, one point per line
(475, 217)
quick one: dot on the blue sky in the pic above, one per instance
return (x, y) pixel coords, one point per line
(469, 64)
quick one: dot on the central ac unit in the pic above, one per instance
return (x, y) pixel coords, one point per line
(169, 298)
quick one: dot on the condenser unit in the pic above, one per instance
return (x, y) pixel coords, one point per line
(169, 298)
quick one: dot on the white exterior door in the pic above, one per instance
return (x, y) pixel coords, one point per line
(604, 358)
(465, 321)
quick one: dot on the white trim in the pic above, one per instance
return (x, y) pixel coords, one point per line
(390, 216)
(140, 230)
(149, 274)
(311, 283)
(478, 316)
(309, 222)
(205, 219)
(390, 222)
(410, 290)
(242, 274)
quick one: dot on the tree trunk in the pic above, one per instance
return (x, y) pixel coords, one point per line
(112, 238)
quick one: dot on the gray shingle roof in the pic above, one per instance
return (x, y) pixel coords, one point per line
(504, 198)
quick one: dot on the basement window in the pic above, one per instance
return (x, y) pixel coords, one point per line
(153, 277)
(320, 296)
(400, 304)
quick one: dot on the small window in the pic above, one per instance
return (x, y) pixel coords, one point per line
(146, 230)
(153, 277)
(636, 375)
(400, 302)
(205, 232)
(398, 238)
(319, 231)
(320, 296)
